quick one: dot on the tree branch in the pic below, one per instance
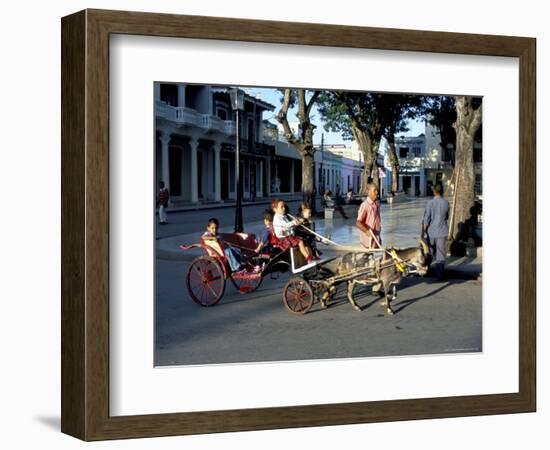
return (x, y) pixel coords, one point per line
(311, 102)
(351, 114)
(282, 117)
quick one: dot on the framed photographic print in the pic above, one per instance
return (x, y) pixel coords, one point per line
(270, 224)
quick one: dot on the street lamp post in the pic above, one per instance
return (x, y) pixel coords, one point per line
(237, 103)
(322, 171)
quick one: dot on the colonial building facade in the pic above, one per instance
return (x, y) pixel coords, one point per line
(338, 168)
(195, 146)
(195, 149)
(423, 163)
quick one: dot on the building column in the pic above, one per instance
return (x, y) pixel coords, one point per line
(268, 176)
(260, 190)
(400, 183)
(165, 173)
(217, 172)
(194, 143)
(181, 94)
(183, 178)
(206, 174)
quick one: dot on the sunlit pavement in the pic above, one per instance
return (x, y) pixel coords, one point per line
(430, 317)
(401, 225)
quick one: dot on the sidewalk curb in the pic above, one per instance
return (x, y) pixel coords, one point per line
(208, 206)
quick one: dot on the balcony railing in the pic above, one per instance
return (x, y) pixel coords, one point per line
(272, 136)
(190, 117)
(257, 148)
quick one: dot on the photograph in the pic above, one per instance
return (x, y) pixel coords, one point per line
(296, 224)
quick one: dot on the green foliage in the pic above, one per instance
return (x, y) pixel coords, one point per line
(440, 112)
(334, 114)
(376, 113)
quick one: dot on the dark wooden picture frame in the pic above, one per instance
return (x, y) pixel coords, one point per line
(85, 224)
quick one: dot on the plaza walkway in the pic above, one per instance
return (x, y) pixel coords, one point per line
(401, 227)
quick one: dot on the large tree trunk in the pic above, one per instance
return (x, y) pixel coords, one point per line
(365, 145)
(308, 170)
(467, 122)
(365, 178)
(394, 161)
(375, 171)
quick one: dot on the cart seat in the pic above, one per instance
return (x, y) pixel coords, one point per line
(244, 241)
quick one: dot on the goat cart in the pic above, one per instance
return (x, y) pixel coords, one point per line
(317, 281)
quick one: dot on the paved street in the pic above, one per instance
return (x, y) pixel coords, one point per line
(431, 317)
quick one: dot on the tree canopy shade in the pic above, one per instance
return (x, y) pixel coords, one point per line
(440, 112)
(367, 117)
(355, 115)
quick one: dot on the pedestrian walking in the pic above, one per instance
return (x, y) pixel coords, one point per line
(435, 227)
(162, 201)
(349, 196)
(368, 219)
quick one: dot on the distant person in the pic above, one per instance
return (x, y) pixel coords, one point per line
(330, 203)
(349, 196)
(162, 200)
(327, 197)
(435, 227)
(276, 185)
(368, 219)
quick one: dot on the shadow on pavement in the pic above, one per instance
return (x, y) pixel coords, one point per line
(451, 277)
(401, 305)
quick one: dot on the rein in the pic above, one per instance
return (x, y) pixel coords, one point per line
(400, 264)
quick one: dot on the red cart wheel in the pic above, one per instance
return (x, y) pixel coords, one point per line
(298, 296)
(246, 282)
(205, 281)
